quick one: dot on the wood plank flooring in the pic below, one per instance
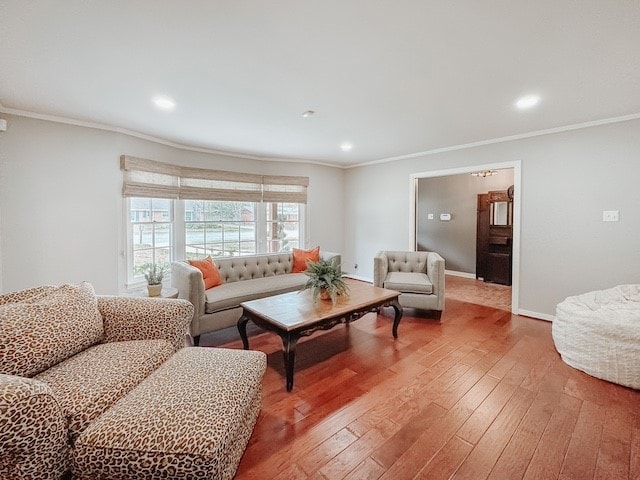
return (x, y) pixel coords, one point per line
(480, 394)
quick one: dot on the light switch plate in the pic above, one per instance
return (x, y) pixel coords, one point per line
(611, 216)
(445, 217)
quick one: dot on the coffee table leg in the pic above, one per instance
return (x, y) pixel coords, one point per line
(242, 329)
(289, 343)
(396, 321)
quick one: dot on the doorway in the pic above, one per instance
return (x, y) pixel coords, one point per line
(453, 228)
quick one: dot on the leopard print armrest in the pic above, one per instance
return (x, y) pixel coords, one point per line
(132, 318)
(33, 431)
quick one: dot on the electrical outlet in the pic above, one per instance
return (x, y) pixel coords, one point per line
(611, 216)
(430, 216)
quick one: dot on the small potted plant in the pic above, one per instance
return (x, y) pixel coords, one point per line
(153, 272)
(325, 281)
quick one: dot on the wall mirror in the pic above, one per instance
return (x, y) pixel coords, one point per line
(500, 213)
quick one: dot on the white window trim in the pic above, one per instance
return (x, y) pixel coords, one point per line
(179, 238)
(131, 283)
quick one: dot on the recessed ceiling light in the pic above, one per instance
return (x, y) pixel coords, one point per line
(527, 101)
(346, 147)
(164, 103)
(308, 113)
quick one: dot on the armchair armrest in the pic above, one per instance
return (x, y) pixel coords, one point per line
(33, 430)
(131, 318)
(380, 269)
(435, 272)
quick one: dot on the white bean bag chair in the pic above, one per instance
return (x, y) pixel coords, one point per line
(599, 333)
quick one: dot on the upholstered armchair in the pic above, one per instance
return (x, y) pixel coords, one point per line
(419, 276)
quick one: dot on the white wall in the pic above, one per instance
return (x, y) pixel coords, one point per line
(568, 179)
(62, 206)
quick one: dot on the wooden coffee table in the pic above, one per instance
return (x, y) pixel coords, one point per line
(294, 315)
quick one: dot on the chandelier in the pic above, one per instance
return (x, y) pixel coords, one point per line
(484, 173)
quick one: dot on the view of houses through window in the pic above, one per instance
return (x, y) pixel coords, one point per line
(151, 232)
(209, 228)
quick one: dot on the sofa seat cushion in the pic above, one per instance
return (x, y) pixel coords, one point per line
(230, 295)
(191, 418)
(90, 382)
(43, 326)
(408, 282)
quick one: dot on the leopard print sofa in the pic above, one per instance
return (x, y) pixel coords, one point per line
(76, 369)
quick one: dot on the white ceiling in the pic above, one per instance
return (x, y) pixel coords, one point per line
(391, 77)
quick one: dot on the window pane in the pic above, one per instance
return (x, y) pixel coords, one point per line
(162, 256)
(215, 249)
(231, 248)
(230, 233)
(151, 233)
(140, 257)
(247, 248)
(248, 231)
(162, 235)
(142, 236)
(283, 227)
(140, 210)
(161, 210)
(194, 233)
(214, 232)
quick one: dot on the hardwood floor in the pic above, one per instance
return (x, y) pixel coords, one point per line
(476, 291)
(480, 394)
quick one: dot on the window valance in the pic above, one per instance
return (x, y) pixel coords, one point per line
(148, 178)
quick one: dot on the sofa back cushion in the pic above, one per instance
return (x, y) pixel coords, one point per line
(43, 326)
(407, 261)
(234, 269)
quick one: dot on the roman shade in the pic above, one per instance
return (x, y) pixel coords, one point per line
(148, 178)
(204, 184)
(284, 189)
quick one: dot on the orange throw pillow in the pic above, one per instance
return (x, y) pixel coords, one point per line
(301, 257)
(210, 273)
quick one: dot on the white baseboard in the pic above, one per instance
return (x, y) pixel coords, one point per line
(539, 316)
(358, 277)
(460, 274)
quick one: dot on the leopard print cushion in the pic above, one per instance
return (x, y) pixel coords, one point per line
(40, 330)
(33, 431)
(90, 382)
(30, 293)
(135, 318)
(191, 418)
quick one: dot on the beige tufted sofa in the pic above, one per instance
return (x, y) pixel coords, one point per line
(101, 387)
(245, 278)
(419, 276)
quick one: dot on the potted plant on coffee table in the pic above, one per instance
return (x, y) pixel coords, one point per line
(153, 273)
(325, 281)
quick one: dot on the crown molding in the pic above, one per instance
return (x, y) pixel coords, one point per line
(510, 138)
(161, 141)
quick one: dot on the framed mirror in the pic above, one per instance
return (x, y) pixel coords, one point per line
(500, 213)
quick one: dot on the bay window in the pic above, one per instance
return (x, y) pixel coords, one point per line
(189, 213)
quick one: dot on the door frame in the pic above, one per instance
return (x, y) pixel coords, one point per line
(517, 186)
